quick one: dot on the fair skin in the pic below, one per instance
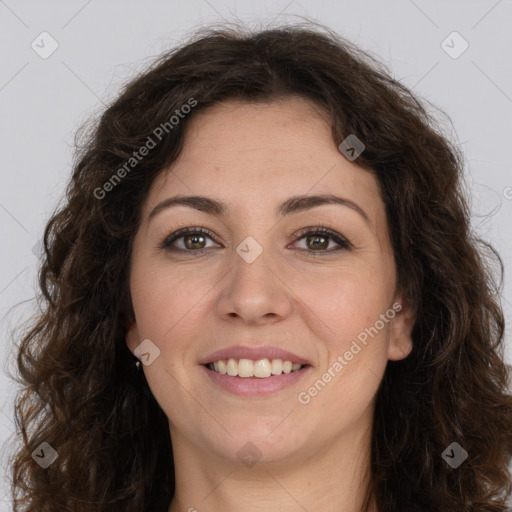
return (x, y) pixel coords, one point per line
(313, 456)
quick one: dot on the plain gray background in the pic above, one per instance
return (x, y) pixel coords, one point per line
(103, 43)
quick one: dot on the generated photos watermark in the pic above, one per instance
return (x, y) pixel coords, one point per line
(305, 397)
(158, 133)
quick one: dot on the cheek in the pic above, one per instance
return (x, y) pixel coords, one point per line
(349, 378)
(346, 314)
(336, 302)
(166, 301)
(346, 300)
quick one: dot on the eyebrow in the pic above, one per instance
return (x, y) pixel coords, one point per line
(292, 205)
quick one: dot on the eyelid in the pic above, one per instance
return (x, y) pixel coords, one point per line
(321, 229)
(179, 233)
(342, 242)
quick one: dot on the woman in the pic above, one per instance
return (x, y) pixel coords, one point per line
(276, 229)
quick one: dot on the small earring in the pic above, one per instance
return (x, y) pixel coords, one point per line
(137, 364)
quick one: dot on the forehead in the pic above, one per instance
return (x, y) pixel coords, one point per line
(253, 156)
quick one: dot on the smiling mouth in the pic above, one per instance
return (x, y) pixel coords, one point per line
(260, 368)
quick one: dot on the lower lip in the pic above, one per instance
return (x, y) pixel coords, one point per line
(254, 386)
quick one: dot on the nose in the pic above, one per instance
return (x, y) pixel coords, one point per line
(255, 293)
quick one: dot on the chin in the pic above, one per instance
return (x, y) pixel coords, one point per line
(259, 444)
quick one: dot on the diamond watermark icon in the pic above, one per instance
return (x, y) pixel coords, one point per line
(38, 249)
(351, 147)
(44, 455)
(249, 454)
(44, 45)
(455, 455)
(147, 352)
(249, 249)
(454, 45)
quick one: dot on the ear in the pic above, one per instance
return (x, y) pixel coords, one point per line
(132, 336)
(401, 326)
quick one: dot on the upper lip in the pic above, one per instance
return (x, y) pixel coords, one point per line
(254, 353)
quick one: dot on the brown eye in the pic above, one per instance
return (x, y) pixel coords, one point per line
(191, 240)
(317, 240)
(196, 241)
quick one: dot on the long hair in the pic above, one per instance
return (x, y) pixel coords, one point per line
(80, 392)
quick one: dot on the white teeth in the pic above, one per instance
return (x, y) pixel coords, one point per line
(246, 368)
(262, 368)
(222, 367)
(232, 368)
(277, 366)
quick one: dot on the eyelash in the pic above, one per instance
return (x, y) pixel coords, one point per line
(318, 230)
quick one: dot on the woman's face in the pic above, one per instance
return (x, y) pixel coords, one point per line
(263, 285)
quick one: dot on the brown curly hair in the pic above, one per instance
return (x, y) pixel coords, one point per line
(80, 392)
